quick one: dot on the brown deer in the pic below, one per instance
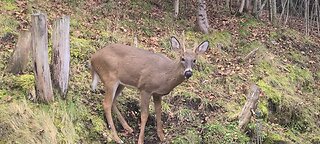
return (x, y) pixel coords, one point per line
(152, 74)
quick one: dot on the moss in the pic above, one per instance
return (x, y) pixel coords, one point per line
(246, 48)
(263, 107)
(246, 25)
(273, 138)
(315, 140)
(80, 48)
(297, 57)
(7, 25)
(3, 94)
(298, 74)
(221, 133)
(191, 136)
(233, 108)
(250, 22)
(220, 37)
(274, 35)
(272, 93)
(293, 136)
(185, 114)
(26, 81)
(9, 5)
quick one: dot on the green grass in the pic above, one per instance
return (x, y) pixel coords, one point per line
(7, 25)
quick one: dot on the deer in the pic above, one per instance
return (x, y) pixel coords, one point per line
(153, 74)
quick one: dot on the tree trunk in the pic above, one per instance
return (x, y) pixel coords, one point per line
(61, 54)
(202, 17)
(249, 107)
(255, 8)
(261, 7)
(306, 16)
(317, 16)
(242, 6)
(39, 36)
(247, 9)
(228, 4)
(273, 11)
(20, 57)
(176, 8)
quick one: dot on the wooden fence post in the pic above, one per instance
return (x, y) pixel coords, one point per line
(20, 56)
(249, 107)
(61, 54)
(39, 36)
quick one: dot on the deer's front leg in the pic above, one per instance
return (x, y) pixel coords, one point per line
(145, 99)
(157, 107)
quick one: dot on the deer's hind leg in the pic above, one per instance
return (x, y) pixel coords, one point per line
(110, 88)
(116, 110)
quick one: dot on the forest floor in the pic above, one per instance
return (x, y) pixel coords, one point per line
(243, 51)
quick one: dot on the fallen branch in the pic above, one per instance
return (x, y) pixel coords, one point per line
(249, 107)
(250, 54)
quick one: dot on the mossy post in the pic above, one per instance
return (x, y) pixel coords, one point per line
(20, 57)
(249, 107)
(39, 36)
(61, 54)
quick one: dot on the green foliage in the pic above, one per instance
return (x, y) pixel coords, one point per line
(26, 81)
(246, 48)
(190, 137)
(273, 138)
(185, 115)
(263, 107)
(219, 37)
(7, 25)
(9, 5)
(221, 133)
(246, 25)
(270, 92)
(80, 48)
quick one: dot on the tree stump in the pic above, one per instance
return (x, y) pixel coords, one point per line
(61, 54)
(39, 36)
(249, 107)
(20, 57)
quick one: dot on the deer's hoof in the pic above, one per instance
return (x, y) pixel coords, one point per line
(118, 140)
(161, 136)
(128, 129)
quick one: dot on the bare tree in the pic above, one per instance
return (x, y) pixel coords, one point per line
(176, 8)
(273, 11)
(306, 16)
(202, 19)
(242, 6)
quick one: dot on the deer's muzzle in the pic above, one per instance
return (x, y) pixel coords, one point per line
(188, 74)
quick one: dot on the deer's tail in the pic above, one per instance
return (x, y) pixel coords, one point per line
(95, 77)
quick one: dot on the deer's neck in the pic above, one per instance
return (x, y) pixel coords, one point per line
(176, 74)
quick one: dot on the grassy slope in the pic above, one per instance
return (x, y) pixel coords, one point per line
(202, 109)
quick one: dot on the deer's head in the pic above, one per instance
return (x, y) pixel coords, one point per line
(188, 58)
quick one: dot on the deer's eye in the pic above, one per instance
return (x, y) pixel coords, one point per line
(182, 59)
(194, 61)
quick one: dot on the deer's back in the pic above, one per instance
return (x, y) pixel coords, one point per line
(131, 66)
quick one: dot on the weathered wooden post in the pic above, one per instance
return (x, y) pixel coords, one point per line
(20, 56)
(39, 36)
(249, 107)
(61, 54)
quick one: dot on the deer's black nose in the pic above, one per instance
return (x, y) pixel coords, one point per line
(188, 74)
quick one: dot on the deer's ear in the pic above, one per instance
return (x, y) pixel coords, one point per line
(202, 48)
(175, 44)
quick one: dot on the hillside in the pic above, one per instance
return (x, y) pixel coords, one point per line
(285, 65)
